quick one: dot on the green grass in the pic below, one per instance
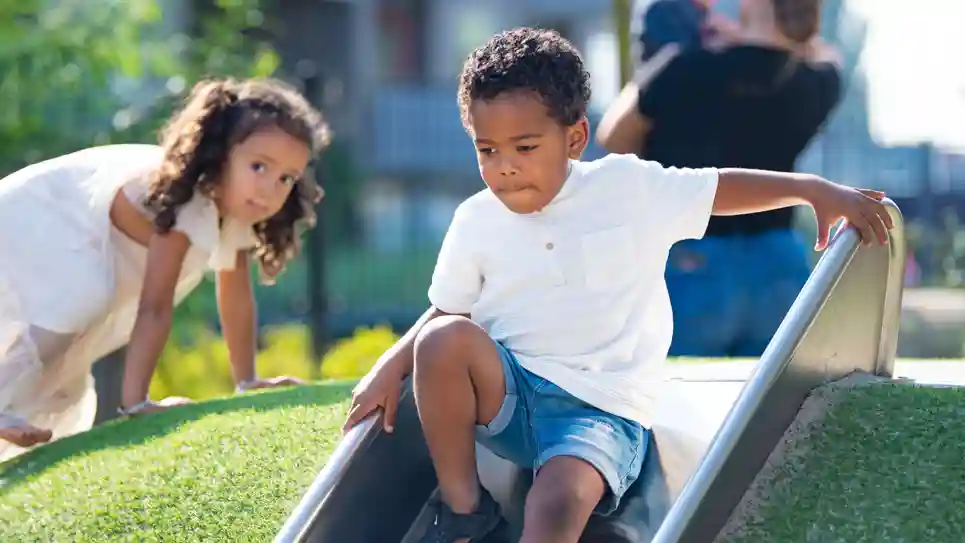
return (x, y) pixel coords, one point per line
(886, 465)
(232, 469)
(225, 470)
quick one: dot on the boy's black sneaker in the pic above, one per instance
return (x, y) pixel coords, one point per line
(448, 527)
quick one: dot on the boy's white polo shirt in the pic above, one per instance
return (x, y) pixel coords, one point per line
(576, 291)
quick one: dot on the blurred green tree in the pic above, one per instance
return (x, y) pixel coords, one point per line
(77, 73)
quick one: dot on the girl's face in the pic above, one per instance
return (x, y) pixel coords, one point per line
(260, 174)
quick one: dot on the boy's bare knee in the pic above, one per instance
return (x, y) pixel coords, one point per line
(442, 339)
(564, 495)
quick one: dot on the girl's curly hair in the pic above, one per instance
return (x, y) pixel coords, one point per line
(216, 116)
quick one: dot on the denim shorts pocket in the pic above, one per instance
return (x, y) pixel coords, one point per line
(502, 419)
(636, 457)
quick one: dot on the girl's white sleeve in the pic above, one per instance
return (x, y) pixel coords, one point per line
(235, 237)
(198, 219)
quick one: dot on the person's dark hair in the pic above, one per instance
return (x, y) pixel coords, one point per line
(528, 59)
(216, 116)
(798, 20)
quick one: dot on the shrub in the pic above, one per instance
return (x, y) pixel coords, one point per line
(353, 357)
(199, 368)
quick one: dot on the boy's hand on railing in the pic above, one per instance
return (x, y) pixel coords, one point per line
(861, 208)
(380, 388)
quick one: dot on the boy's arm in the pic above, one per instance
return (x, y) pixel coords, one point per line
(456, 284)
(678, 202)
(742, 191)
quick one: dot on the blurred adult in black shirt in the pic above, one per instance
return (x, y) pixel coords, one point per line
(755, 102)
(690, 24)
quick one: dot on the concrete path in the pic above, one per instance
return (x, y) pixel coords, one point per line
(710, 388)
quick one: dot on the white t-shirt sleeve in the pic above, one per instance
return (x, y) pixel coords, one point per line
(457, 278)
(235, 237)
(678, 201)
(198, 219)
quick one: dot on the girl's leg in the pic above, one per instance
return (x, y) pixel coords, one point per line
(21, 365)
(17, 430)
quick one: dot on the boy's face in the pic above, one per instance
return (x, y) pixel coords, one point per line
(523, 153)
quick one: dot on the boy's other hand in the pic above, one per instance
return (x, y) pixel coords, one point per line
(861, 208)
(381, 387)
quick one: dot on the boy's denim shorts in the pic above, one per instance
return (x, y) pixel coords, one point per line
(539, 420)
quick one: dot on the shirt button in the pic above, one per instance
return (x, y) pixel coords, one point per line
(549, 246)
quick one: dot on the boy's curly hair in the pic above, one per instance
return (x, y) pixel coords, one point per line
(530, 59)
(217, 115)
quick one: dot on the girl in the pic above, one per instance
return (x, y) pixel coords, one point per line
(100, 245)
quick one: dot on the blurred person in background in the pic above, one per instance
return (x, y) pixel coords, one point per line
(690, 24)
(755, 101)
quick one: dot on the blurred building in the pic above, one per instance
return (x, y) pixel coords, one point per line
(390, 69)
(384, 72)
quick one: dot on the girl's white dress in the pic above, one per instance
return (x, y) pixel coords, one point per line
(70, 281)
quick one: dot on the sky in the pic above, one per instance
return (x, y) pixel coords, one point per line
(916, 78)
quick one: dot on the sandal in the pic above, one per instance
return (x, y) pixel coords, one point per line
(449, 527)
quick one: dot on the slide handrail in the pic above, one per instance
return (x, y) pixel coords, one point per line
(355, 442)
(780, 352)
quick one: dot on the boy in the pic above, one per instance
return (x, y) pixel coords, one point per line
(550, 319)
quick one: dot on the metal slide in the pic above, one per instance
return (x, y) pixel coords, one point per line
(711, 436)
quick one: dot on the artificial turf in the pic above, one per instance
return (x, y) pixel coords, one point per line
(883, 464)
(224, 470)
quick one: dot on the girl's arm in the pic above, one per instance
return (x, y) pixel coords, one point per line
(236, 307)
(239, 324)
(165, 254)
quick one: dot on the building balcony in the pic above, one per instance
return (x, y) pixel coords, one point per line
(416, 131)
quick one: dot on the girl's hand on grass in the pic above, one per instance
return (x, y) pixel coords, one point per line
(147, 407)
(273, 382)
(172, 402)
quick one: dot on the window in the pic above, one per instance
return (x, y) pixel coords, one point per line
(400, 41)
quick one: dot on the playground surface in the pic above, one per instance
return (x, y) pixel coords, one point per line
(233, 469)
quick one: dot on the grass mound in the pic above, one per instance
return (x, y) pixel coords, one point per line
(870, 461)
(225, 470)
